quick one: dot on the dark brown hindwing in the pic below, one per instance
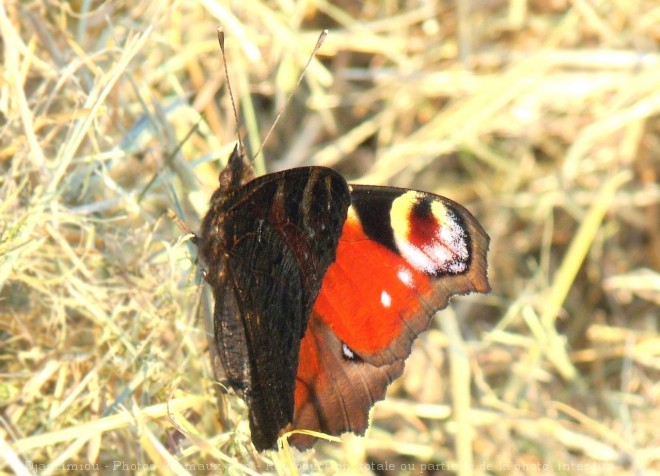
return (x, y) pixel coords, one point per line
(266, 247)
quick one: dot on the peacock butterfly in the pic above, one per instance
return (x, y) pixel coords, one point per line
(321, 287)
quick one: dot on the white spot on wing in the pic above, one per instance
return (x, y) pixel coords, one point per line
(348, 353)
(385, 299)
(405, 276)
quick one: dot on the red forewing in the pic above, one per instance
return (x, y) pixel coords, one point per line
(401, 256)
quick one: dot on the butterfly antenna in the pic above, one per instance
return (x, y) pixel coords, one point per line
(221, 40)
(319, 42)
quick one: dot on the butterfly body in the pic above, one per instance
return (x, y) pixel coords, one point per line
(321, 287)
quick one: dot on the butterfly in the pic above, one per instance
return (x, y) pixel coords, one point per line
(321, 287)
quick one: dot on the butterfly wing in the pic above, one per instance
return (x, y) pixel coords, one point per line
(267, 247)
(401, 257)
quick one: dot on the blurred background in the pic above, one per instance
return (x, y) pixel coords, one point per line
(541, 117)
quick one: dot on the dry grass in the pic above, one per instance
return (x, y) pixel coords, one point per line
(542, 117)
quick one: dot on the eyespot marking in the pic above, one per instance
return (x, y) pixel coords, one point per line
(429, 234)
